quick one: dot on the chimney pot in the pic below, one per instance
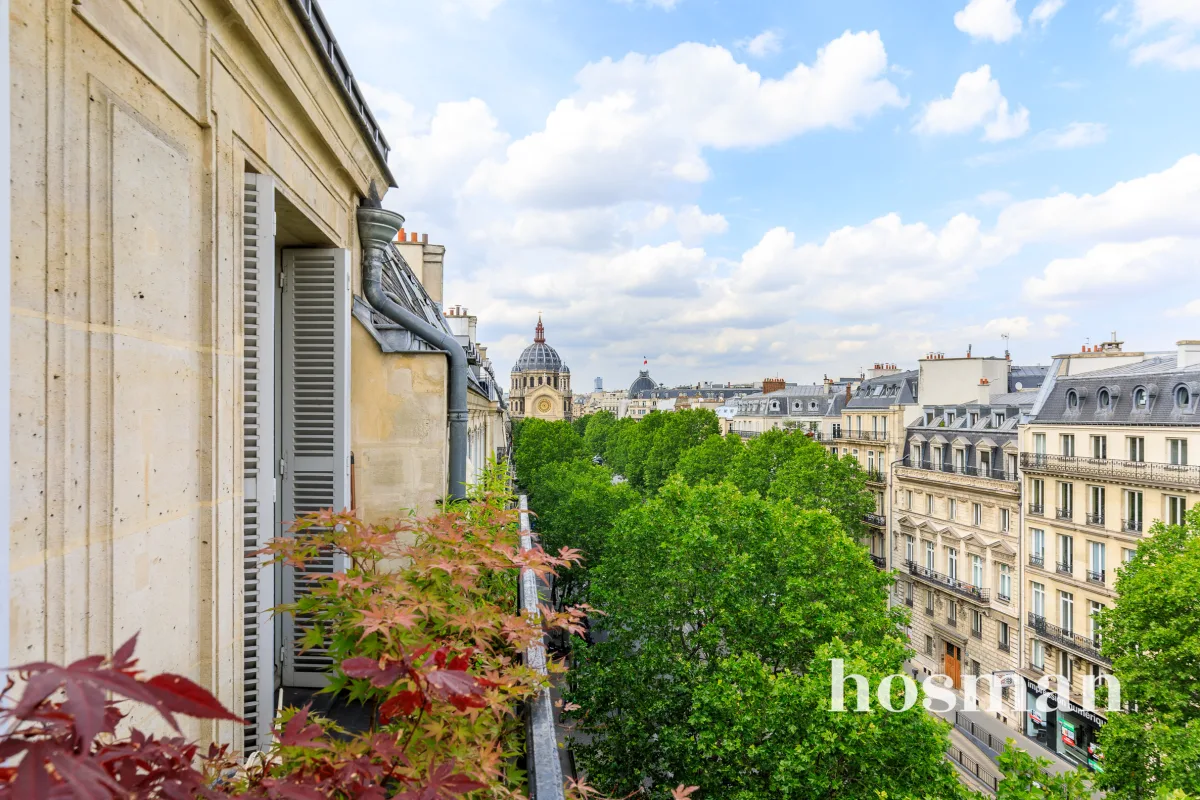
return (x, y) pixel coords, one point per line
(424, 238)
(400, 235)
(414, 237)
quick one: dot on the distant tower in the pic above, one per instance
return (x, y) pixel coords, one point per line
(599, 384)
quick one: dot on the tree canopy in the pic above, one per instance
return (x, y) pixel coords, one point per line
(709, 461)
(1152, 635)
(722, 613)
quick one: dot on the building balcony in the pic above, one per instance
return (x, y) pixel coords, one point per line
(1037, 509)
(1002, 647)
(1003, 598)
(1096, 519)
(862, 436)
(928, 611)
(1037, 561)
(908, 601)
(951, 584)
(975, 472)
(1095, 577)
(878, 520)
(1131, 525)
(977, 633)
(1134, 472)
(879, 561)
(1064, 513)
(1064, 568)
(1065, 638)
(875, 476)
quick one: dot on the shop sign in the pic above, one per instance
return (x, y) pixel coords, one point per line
(1068, 732)
(1074, 708)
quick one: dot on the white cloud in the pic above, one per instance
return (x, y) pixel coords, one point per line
(1166, 32)
(989, 19)
(1191, 309)
(479, 8)
(665, 5)
(1077, 134)
(691, 224)
(767, 43)
(1021, 327)
(1114, 268)
(994, 197)
(976, 102)
(1044, 11)
(642, 123)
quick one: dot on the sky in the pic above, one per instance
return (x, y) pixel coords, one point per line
(738, 189)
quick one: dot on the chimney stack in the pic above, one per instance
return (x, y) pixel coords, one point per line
(1189, 353)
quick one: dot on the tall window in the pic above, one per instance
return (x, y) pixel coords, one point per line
(952, 612)
(909, 496)
(1006, 581)
(1093, 623)
(1133, 510)
(976, 624)
(985, 462)
(1039, 444)
(929, 505)
(1010, 466)
(1002, 635)
(976, 571)
(1068, 444)
(1096, 496)
(871, 461)
(1064, 667)
(953, 513)
(1039, 543)
(1176, 506)
(929, 602)
(1005, 522)
(1066, 552)
(1066, 498)
(1066, 611)
(952, 563)
(1097, 558)
(929, 556)
(977, 514)
(908, 548)
(1177, 452)
(1099, 447)
(960, 460)
(1037, 493)
(1039, 600)
(1038, 654)
(1137, 448)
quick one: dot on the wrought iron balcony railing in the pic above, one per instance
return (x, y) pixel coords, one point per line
(1096, 519)
(1095, 577)
(1116, 469)
(1003, 598)
(1038, 561)
(1131, 525)
(977, 472)
(1037, 509)
(1063, 513)
(875, 476)
(877, 520)
(869, 436)
(1061, 636)
(1002, 647)
(1064, 567)
(880, 561)
(908, 601)
(946, 582)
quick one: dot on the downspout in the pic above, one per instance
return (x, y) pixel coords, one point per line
(377, 227)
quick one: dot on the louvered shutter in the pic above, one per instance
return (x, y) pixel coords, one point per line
(315, 395)
(258, 457)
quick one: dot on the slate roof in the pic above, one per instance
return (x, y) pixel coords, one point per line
(885, 391)
(794, 401)
(1030, 377)
(1156, 375)
(402, 287)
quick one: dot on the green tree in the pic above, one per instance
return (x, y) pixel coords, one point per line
(580, 424)
(576, 505)
(813, 478)
(680, 431)
(600, 426)
(1029, 778)
(1152, 635)
(722, 613)
(756, 467)
(541, 443)
(633, 445)
(709, 461)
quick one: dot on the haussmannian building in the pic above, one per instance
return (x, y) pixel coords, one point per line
(1104, 455)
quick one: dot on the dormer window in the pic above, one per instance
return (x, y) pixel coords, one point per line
(997, 420)
(1183, 397)
(1104, 400)
(1073, 400)
(1139, 398)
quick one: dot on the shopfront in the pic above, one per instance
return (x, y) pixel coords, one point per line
(1070, 731)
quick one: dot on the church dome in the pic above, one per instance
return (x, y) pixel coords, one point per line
(539, 356)
(643, 383)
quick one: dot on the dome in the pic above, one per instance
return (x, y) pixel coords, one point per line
(643, 383)
(539, 356)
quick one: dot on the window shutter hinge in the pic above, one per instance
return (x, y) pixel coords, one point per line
(282, 280)
(282, 468)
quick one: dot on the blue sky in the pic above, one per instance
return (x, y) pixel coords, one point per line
(743, 189)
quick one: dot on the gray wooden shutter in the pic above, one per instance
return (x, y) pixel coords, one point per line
(258, 457)
(315, 398)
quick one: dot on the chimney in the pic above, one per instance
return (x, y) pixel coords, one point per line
(413, 237)
(985, 391)
(1189, 353)
(424, 238)
(400, 235)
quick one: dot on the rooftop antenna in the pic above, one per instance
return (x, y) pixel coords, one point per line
(1004, 336)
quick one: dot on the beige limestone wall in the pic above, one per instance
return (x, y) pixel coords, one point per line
(132, 125)
(398, 429)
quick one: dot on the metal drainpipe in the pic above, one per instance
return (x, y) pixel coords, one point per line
(456, 401)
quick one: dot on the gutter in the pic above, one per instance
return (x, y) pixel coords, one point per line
(377, 227)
